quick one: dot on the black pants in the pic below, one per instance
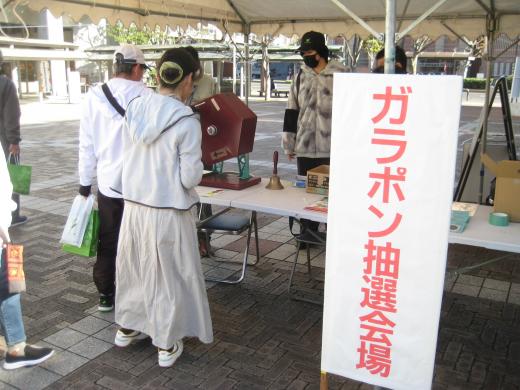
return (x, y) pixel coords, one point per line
(304, 164)
(110, 215)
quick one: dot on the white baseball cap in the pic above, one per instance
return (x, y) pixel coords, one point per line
(129, 54)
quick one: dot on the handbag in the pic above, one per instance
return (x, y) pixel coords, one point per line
(20, 174)
(77, 220)
(89, 244)
(15, 274)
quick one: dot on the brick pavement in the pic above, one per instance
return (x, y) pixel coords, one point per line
(262, 338)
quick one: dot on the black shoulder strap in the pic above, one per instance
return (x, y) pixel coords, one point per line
(112, 100)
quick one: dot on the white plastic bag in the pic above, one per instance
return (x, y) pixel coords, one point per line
(77, 221)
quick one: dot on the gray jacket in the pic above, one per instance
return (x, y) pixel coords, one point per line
(307, 124)
(9, 114)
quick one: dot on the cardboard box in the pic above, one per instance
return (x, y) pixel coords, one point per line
(318, 180)
(507, 192)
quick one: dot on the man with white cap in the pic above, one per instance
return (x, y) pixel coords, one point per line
(100, 153)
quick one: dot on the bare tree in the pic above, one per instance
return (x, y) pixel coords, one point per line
(419, 45)
(353, 52)
(477, 48)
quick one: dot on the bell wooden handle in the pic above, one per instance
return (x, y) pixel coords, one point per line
(275, 163)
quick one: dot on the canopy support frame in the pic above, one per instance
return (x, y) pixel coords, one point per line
(461, 37)
(405, 10)
(145, 12)
(234, 7)
(515, 42)
(360, 21)
(417, 21)
(247, 62)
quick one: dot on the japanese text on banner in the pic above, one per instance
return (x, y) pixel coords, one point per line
(381, 262)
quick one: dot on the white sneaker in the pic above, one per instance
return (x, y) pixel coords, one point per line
(125, 339)
(168, 356)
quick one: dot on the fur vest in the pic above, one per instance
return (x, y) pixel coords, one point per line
(307, 122)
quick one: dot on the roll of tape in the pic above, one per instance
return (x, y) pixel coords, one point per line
(499, 219)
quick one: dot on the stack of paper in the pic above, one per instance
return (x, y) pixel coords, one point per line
(321, 205)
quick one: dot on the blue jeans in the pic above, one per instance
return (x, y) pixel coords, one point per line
(11, 320)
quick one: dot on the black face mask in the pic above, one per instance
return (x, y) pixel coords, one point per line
(311, 61)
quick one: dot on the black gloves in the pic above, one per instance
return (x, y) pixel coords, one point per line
(84, 190)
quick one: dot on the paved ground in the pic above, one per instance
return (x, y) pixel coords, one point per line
(262, 338)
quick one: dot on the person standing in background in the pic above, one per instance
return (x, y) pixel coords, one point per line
(100, 153)
(308, 117)
(160, 285)
(10, 130)
(400, 61)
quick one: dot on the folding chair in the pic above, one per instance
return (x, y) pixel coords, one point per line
(308, 237)
(231, 224)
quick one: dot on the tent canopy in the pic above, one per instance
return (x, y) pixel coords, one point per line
(288, 17)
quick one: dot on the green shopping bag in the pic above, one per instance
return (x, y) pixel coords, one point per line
(89, 245)
(20, 175)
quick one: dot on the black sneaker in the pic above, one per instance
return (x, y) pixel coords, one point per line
(33, 355)
(106, 303)
(20, 220)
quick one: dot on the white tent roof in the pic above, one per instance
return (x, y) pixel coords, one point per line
(466, 17)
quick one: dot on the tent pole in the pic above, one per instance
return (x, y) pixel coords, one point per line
(490, 37)
(390, 37)
(67, 79)
(247, 31)
(234, 69)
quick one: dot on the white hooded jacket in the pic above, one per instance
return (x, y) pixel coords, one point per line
(162, 153)
(101, 132)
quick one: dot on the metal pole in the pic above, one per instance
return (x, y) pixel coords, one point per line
(489, 57)
(390, 37)
(234, 69)
(242, 73)
(267, 73)
(67, 79)
(219, 75)
(247, 62)
(19, 80)
(26, 77)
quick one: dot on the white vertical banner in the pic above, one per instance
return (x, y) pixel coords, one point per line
(394, 140)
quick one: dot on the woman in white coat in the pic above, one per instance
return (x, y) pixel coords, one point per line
(160, 285)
